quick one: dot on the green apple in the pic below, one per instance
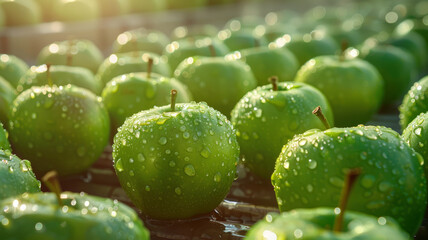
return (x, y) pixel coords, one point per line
(12, 68)
(415, 45)
(245, 22)
(269, 61)
(414, 102)
(118, 64)
(112, 8)
(308, 46)
(7, 95)
(75, 10)
(77, 52)
(81, 216)
(415, 134)
(317, 224)
(21, 12)
(268, 117)
(177, 51)
(273, 32)
(242, 39)
(353, 87)
(63, 128)
(138, 6)
(396, 66)
(4, 142)
(419, 26)
(16, 177)
(194, 31)
(46, 9)
(60, 75)
(217, 81)
(309, 173)
(131, 93)
(174, 4)
(140, 39)
(2, 18)
(176, 161)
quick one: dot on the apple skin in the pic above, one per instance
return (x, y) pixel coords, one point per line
(75, 10)
(130, 93)
(415, 45)
(16, 176)
(84, 53)
(82, 134)
(118, 64)
(85, 217)
(414, 102)
(309, 173)
(415, 134)
(197, 31)
(217, 81)
(317, 224)
(242, 39)
(140, 39)
(60, 75)
(353, 87)
(12, 68)
(396, 66)
(265, 120)
(7, 95)
(177, 51)
(266, 62)
(21, 12)
(176, 164)
(4, 142)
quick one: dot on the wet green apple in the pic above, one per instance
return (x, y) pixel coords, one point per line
(269, 61)
(80, 216)
(21, 12)
(415, 134)
(308, 46)
(60, 75)
(12, 68)
(176, 161)
(140, 39)
(177, 51)
(75, 10)
(63, 128)
(217, 81)
(414, 102)
(396, 66)
(353, 87)
(138, 6)
(4, 142)
(118, 64)
(76, 52)
(16, 176)
(194, 31)
(317, 224)
(268, 117)
(128, 94)
(7, 95)
(309, 173)
(242, 39)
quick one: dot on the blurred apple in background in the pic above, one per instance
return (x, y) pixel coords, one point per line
(195, 31)
(12, 68)
(139, 6)
(111, 8)
(175, 4)
(141, 39)
(75, 10)
(7, 95)
(21, 12)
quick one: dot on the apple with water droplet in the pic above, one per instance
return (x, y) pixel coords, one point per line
(177, 161)
(309, 173)
(217, 81)
(415, 134)
(16, 176)
(7, 95)
(12, 68)
(242, 39)
(76, 10)
(353, 87)
(268, 117)
(73, 52)
(414, 102)
(65, 128)
(4, 142)
(21, 12)
(60, 75)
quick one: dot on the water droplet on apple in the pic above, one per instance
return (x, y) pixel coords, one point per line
(177, 191)
(189, 170)
(286, 164)
(39, 226)
(385, 186)
(312, 164)
(119, 165)
(147, 188)
(418, 131)
(186, 135)
(310, 188)
(131, 173)
(172, 164)
(363, 155)
(182, 128)
(25, 165)
(217, 177)
(205, 152)
(367, 181)
(302, 142)
(81, 151)
(33, 115)
(163, 140)
(258, 113)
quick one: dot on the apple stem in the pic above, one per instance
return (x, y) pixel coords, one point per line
(173, 99)
(50, 179)
(351, 177)
(149, 67)
(212, 50)
(318, 112)
(48, 74)
(69, 60)
(343, 46)
(274, 81)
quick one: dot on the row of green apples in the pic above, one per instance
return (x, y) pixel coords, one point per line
(189, 169)
(30, 12)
